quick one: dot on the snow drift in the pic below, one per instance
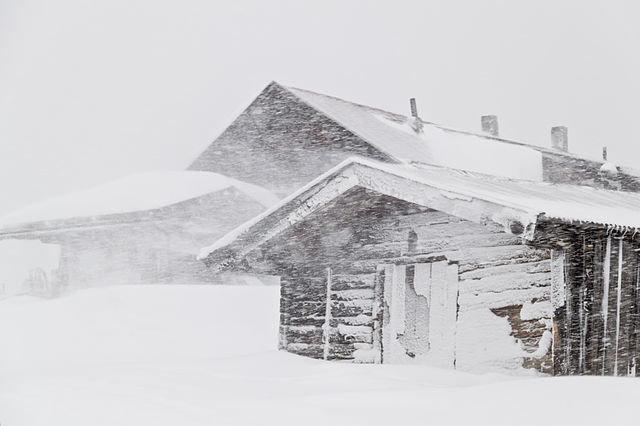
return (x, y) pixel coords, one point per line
(204, 355)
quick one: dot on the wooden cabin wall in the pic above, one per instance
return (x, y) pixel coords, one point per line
(596, 316)
(504, 311)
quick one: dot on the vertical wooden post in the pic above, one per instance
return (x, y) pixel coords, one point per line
(589, 284)
(326, 328)
(626, 344)
(378, 314)
(443, 313)
(612, 314)
(618, 306)
(574, 270)
(284, 320)
(387, 328)
(594, 342)
(558, 303)
(636, 311)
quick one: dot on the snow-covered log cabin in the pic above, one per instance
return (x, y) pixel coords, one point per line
(283, 140)
(287, 136)
(143, 228)
(413, 263)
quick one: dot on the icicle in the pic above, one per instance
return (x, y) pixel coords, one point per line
(618, 303)
(605, 296)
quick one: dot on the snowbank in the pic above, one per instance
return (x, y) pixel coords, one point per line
(205, 355)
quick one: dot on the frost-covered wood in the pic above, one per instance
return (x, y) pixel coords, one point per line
(596, 316)
(356, 234)
(516, 307)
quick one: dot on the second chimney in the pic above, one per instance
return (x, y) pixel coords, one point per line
(490, 124)
(560, 138)
(414, 107)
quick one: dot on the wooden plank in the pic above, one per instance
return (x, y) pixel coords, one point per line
(351, 308)
(587, 303)
(443, 313)
(415, 339)
(304, 334)
(284, 318)
(353, 294)
(606, 284)
(310, 350)
(351, 334)
(345, 351)
(353, 281)
(313, 320)
(594, 344)
(558, 303)
(618, 364)
(541, 267)
(377, 314)
(636, 319)
(398, 301)
(627, 308)
(612, 311)
(307, 308)
(326, 328)
(306, 289)
(478, 258)
(452, 311)
(574, 268)
(387, 331)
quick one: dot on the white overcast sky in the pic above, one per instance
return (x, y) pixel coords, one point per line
(92, 90)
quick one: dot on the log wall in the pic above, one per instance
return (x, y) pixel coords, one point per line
(596, 314)
(343, 330)
(504, 310)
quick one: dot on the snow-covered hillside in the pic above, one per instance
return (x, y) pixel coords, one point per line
(206, 355)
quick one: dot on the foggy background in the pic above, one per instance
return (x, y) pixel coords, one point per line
(91, 91)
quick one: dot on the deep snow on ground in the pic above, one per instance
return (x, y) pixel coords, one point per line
(206, 355)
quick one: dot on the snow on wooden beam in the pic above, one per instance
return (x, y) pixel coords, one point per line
(322, 192)
(517, 222)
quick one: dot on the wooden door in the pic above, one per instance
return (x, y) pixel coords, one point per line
(420, 313)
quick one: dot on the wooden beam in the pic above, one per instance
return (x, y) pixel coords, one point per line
(558, 303)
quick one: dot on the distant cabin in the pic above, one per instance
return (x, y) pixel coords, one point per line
(388, 263)
(288, 136)
(143, 228)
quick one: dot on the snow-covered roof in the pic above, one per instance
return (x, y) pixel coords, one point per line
(469, 195)
(394, 135)
(134, 193)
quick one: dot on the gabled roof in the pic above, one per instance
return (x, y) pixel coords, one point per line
(517, 205)
(394, 135)
(140, 192)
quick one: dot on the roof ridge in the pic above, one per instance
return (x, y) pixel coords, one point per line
(539, 148)
(346, 101)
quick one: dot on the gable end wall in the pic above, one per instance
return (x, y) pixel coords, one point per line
(281, 143)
